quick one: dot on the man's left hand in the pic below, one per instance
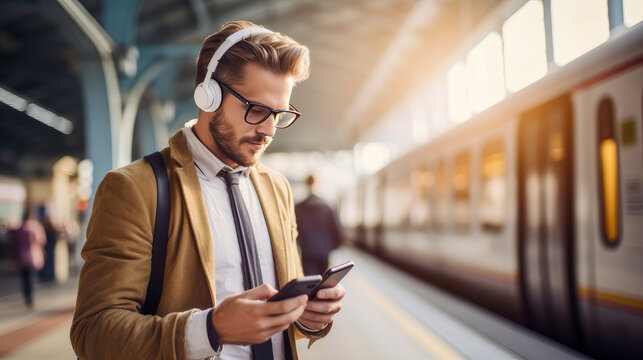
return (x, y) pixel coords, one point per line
(321, 311)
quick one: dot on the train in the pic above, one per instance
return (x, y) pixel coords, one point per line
(533, 207)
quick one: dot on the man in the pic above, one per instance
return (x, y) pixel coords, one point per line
(319, 231)
(203, 290)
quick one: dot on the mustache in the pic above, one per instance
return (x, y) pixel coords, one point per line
(265, 140)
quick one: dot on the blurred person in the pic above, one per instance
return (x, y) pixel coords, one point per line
(47, 273)
(319, 231)
(207, 306)
(26, 249)
(71, 229)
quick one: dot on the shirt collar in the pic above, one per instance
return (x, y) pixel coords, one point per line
(206, 162)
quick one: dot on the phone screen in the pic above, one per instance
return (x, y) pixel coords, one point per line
(332, 277)
(297, 287)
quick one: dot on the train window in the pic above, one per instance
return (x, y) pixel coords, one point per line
(578, 26)
(441, 195)
(459, 109)
(421, 182)
(494, 186)
(486, 72)
(461, 183)
(397, 198)
(632, 12)
(608, 173)
(525, 51)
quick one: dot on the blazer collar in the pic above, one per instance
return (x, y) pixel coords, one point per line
(185, 171)
(179, 151)
(265, 189)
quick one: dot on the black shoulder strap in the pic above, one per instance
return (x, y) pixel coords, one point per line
(161, 227)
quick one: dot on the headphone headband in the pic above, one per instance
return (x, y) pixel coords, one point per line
(228, 43)
(207, 94)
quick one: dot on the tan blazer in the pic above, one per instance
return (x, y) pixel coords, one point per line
(113, 282)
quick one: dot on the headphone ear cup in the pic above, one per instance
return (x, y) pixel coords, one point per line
(202, 97)
(215, 90)
(208, 96)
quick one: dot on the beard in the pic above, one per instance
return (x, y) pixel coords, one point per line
(230, 145)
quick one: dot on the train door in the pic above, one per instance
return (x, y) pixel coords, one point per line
(610, 212)
(545, 215)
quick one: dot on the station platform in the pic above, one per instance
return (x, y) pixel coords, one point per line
(387, 314)
(41, 332)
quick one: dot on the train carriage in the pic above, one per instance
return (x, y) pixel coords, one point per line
(534, 206)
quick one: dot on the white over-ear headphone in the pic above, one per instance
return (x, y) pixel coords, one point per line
(207, 94)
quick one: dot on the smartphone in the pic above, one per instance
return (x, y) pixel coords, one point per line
(296, 287)
(332, 277)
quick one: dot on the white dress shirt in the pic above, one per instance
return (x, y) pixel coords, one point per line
(227, 257)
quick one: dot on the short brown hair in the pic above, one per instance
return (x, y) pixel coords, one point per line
(275, 52)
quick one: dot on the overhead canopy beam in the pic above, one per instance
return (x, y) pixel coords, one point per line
(418, 15)
(89, 27)
(257, 10)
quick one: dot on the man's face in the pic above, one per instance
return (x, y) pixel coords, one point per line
(235, 141)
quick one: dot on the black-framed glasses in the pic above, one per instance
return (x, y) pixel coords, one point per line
(258, 113)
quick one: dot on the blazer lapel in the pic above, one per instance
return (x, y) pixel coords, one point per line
(266, 193)
(197, 213)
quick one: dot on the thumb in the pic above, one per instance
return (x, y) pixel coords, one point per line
(259, 293)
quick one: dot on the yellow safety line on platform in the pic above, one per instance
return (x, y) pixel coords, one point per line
(430, 342)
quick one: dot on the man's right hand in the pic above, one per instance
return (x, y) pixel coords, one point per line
(246, 318)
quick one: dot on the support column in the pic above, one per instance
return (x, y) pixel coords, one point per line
(99, 79)
(98, 122)
(615, 11)
(549, 36)
(145, 134)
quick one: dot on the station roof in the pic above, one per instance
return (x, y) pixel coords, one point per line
(349, 42)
